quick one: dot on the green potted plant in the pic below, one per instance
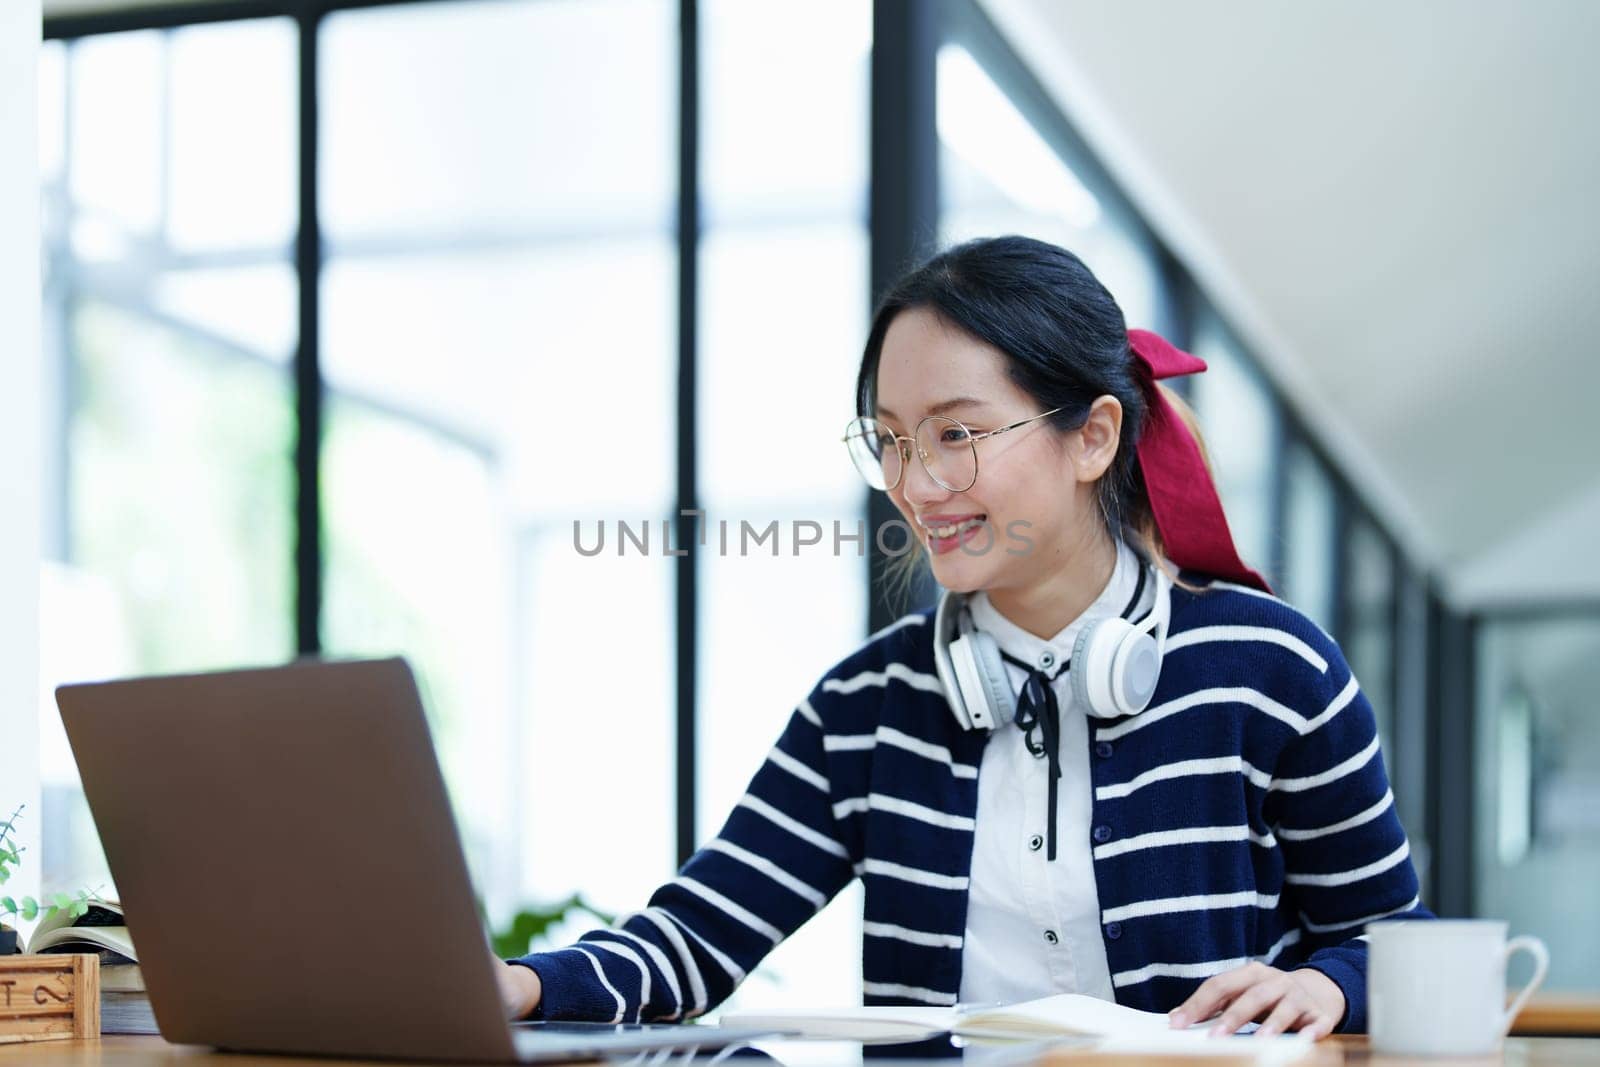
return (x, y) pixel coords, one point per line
(534, 920)
(27, 909)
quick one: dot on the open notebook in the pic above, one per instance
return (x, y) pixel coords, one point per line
(1112, 1027)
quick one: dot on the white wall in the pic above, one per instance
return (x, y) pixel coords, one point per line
(19, 425)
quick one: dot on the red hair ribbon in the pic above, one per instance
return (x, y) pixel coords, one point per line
(1183, 498)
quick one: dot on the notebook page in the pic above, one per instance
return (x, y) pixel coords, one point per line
(1064, 1013)
(875, 1023)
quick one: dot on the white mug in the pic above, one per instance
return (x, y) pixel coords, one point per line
(1438, 986)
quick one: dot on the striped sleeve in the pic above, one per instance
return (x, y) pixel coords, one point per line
(776, 861)
(1346, 858)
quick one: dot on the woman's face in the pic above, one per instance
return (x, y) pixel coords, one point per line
(1034, 483)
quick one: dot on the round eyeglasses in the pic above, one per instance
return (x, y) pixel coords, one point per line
(947, 450)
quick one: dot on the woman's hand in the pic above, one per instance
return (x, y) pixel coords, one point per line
(520, 990)
(1305, 999)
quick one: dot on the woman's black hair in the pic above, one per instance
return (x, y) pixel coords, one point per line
(1063, 336)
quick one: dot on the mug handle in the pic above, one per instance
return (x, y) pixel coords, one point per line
(1541, 963)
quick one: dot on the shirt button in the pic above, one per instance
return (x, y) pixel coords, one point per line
(1050, 936)
(1113, 931)
(1035, 842)
(1102, 834)
(1103, 749)
(1047, 660)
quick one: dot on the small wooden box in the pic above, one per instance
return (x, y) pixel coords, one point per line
(43, 998)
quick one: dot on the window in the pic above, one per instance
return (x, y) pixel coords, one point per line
(1369, 640)
(499, 345)
(169, 322)
(999, 175)
(1240, 426)
(783, 314)
(1537, 787)
(1309, 536)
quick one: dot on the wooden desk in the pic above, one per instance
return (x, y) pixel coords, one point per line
(1563, 1014)
(1334, 1052)
(1341, 1051)
(141, 1051)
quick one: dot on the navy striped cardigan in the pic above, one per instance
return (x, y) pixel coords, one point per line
(1244, 815)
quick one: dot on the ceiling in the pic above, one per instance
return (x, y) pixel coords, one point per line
(1395, 203)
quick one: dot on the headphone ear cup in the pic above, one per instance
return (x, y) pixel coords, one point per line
(976, 661)
(944, 628)
(1079, 670)
(991, 670)
(1134, 671)
(1094, 655)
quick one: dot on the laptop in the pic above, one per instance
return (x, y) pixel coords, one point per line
(284, 849)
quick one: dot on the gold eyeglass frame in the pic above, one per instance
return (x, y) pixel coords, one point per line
(905, 453)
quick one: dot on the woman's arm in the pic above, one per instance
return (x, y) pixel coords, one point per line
(1346, 857)
(1346, 861)
(777, 860)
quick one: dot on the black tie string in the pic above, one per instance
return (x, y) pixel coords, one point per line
(1037, 709)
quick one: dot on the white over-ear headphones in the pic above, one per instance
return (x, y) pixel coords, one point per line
(1114, 668)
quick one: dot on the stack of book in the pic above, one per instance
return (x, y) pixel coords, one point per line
(124, 1005)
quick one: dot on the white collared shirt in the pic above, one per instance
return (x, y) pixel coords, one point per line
(1033, 924)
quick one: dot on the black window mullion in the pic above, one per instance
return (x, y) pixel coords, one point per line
(1175, 308)
(1410, 689)
(1452, 720)
(308, 363)
(1278, 494)
(687, 569)
(1340, 569)
(903, 202)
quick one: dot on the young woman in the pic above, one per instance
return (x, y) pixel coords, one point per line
(1109, 762)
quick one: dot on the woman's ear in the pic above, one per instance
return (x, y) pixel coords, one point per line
(1098, 438)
